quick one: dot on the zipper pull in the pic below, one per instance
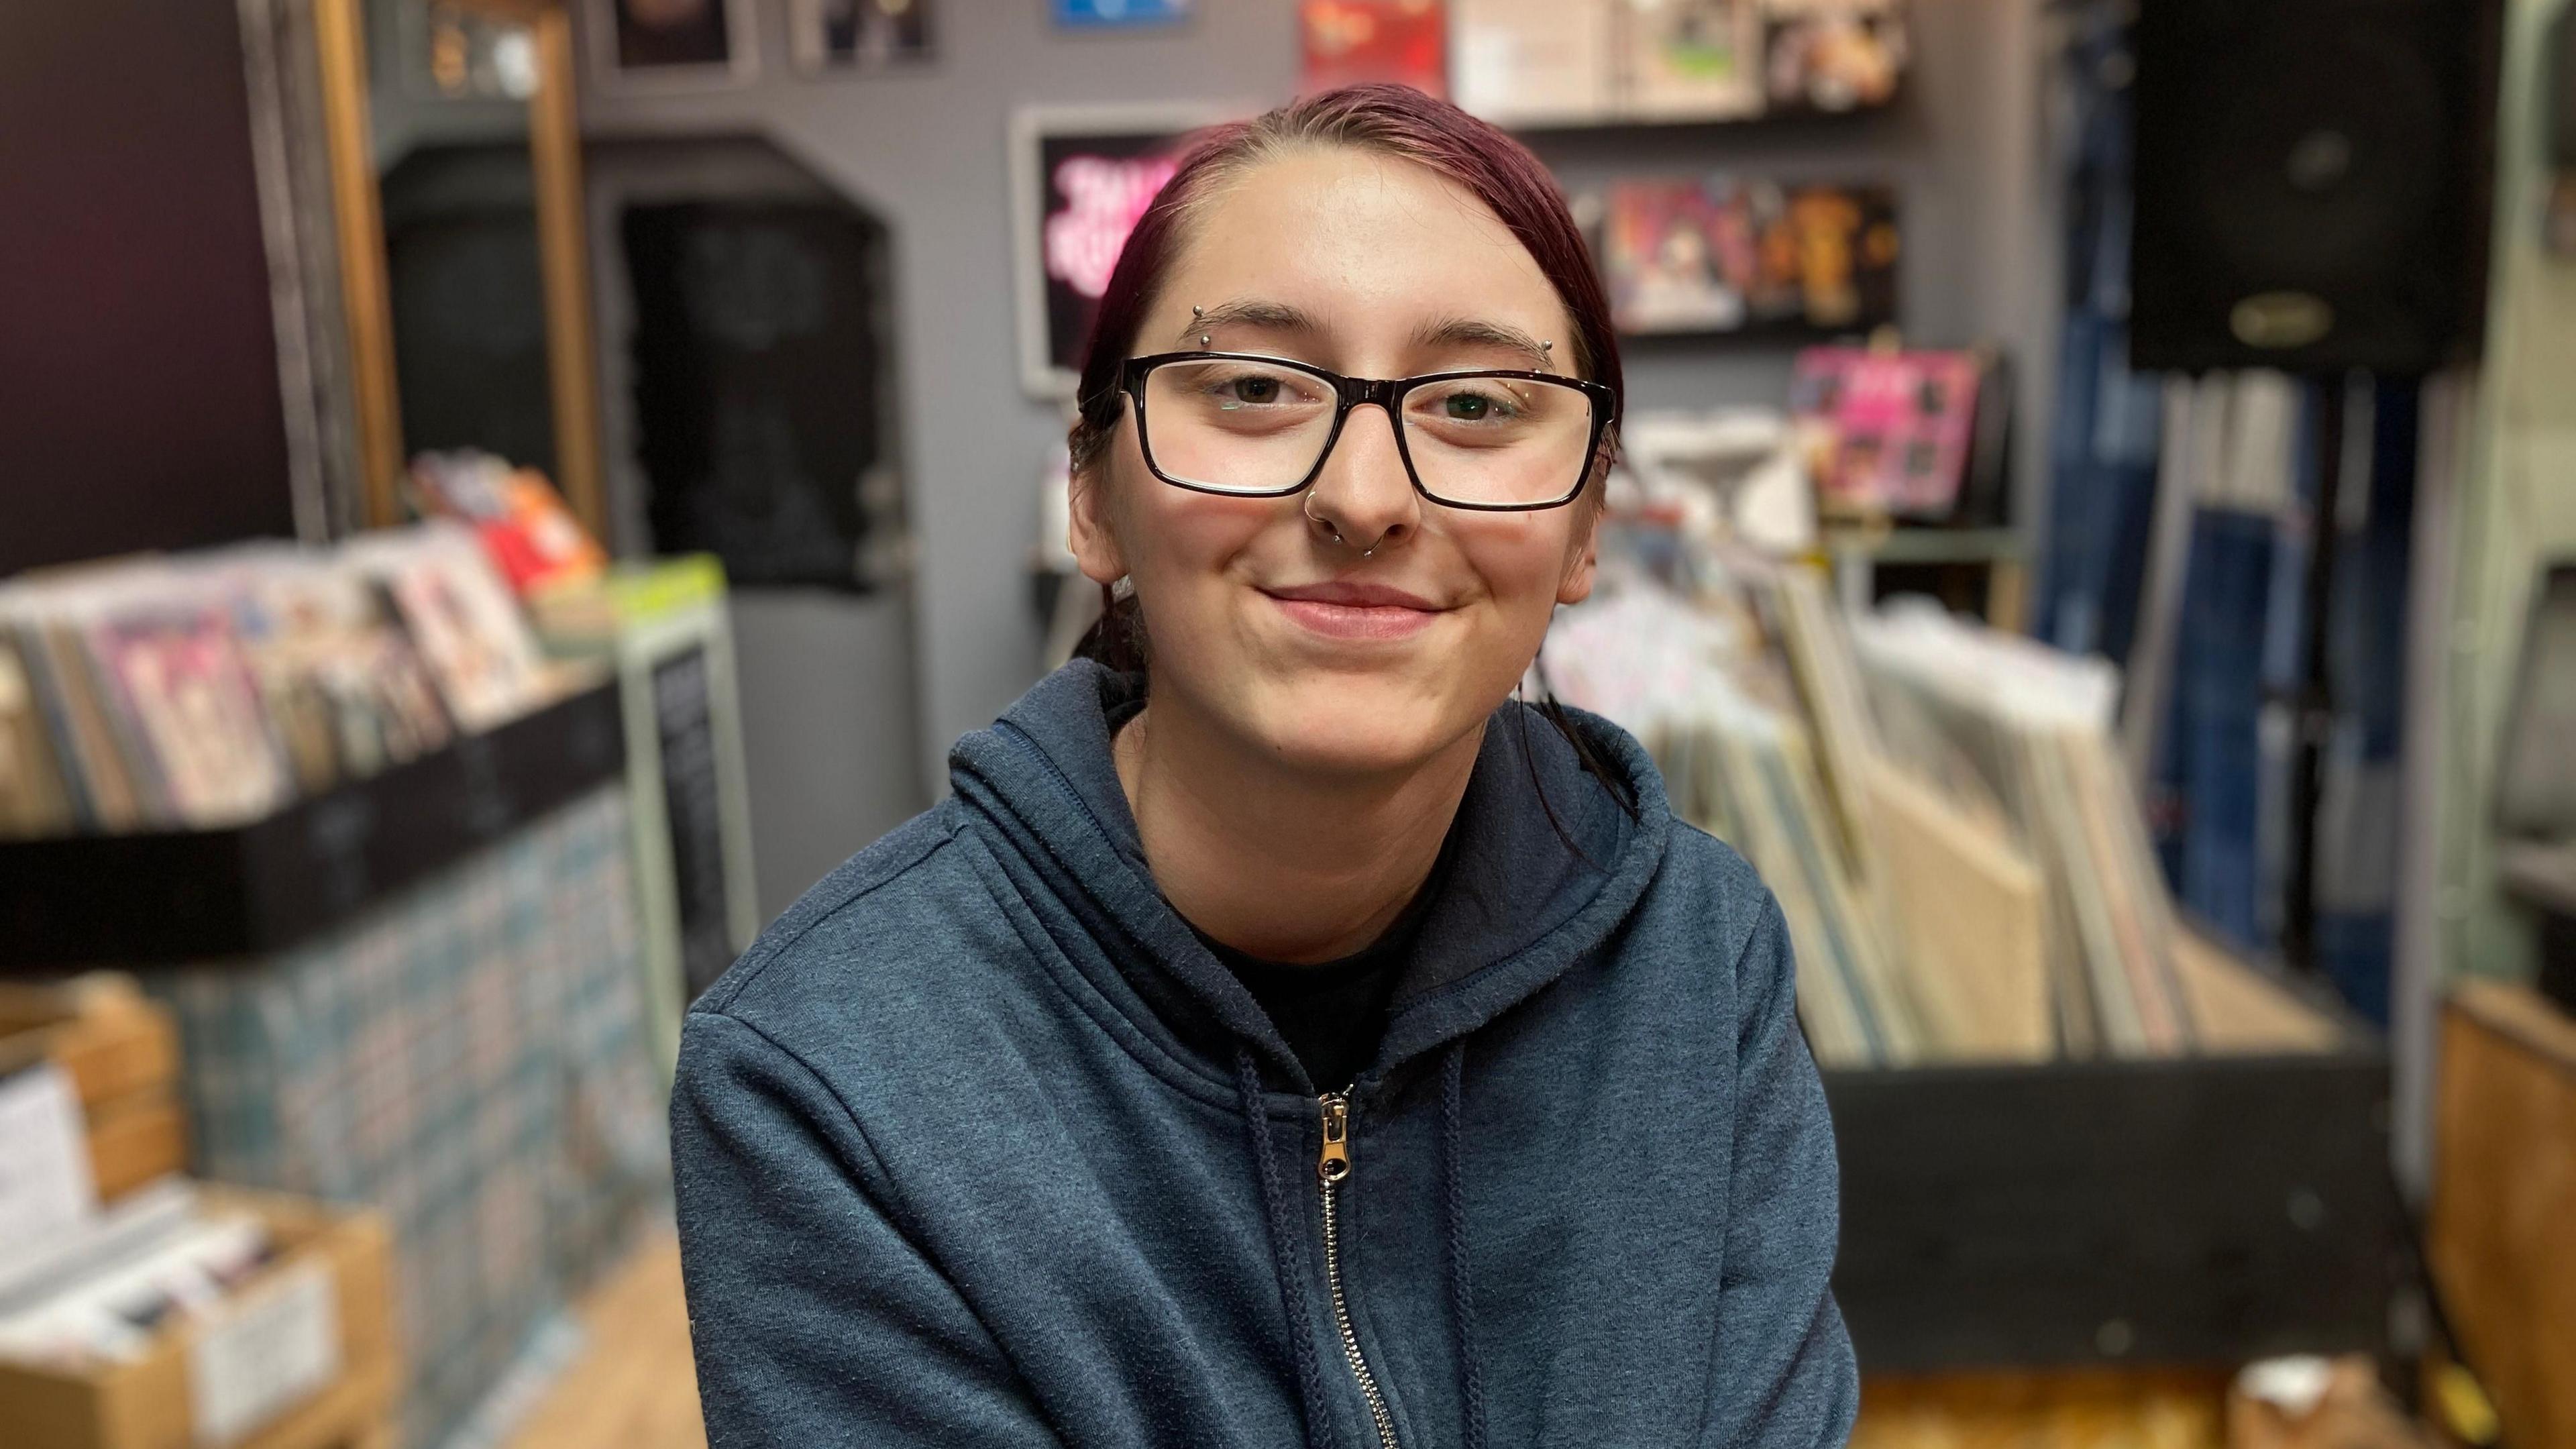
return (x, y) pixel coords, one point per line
(1335, 1164)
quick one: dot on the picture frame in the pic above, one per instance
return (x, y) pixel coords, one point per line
(862, 37)
(654, 45)
(1725, 255)
(1104, 15)
(1063, 246)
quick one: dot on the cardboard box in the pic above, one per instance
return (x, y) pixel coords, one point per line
(121, 1053)
(229, 1380)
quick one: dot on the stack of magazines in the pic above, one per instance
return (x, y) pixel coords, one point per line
(1961, 866)
(206, 690)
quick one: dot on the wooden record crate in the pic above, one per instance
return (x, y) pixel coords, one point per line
(120, 1053)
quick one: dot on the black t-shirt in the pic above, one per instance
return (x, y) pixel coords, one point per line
(1333, 1012)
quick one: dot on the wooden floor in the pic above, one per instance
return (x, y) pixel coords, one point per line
(633, 1386)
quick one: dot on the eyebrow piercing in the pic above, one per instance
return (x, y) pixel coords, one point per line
(1203, 339)
(1547, 347)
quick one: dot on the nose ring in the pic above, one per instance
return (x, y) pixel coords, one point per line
(1368, 552)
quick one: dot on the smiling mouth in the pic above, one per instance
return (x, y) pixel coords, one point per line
(1355, 611)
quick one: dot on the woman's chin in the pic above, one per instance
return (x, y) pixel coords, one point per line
(1361, 726)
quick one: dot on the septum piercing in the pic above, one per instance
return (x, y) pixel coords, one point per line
(1368, 552)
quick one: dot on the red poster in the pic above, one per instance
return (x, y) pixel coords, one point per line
(1347, 41)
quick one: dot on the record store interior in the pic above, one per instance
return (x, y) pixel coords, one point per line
(503, 496)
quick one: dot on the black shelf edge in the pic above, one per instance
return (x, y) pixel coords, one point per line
(262, 887)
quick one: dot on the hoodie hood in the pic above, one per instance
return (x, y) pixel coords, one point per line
(980, 1144)
(1548, 864)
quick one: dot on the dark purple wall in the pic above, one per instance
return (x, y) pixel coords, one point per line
(138, 370)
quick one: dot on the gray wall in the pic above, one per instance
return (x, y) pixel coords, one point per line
(926, 149)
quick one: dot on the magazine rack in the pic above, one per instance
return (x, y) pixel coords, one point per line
(258, 888)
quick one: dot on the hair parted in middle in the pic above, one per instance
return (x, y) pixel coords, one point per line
(1388, 120)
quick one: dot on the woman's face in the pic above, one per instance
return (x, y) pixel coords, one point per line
(1373, 653)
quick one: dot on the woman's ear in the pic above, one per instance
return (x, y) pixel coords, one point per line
(1583, 560)
(1088, 532)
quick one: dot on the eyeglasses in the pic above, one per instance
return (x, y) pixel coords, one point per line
(1250, 426)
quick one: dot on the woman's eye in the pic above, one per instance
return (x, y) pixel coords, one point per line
(1255, 390)
(1475, 407)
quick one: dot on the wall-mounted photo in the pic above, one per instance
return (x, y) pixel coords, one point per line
(657, 43)
(1119, 14)
(452, 51)
(1344, 42)
(1722, 255)
(860, 35)
(1080, 177)
(1833, 55)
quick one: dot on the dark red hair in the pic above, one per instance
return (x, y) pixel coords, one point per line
(1389, 120)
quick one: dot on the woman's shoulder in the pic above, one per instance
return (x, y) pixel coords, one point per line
(892, 922)
(1707, 881)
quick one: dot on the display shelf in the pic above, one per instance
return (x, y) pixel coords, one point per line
(1918, 544)
(258, 888)
(2195, 1210)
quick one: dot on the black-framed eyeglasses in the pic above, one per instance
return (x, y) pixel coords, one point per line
(1247, 425)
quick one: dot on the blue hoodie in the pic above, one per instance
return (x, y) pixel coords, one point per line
(978, 1145)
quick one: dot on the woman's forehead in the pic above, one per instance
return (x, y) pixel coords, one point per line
(1357, 242)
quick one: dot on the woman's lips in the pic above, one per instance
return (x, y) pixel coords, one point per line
(1356, 611)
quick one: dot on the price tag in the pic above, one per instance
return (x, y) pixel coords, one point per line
(263, 1354)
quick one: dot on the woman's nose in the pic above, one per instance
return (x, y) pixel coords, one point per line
(1364, 494)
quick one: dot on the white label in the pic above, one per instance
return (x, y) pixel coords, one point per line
(46, 1191)
(263, 1354)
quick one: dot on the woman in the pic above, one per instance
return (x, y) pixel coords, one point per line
(1291, 1042)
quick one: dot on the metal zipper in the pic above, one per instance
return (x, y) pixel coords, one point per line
(1333, 1168)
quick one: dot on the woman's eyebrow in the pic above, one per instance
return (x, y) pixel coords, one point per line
(1475, 332)
(1271, 316)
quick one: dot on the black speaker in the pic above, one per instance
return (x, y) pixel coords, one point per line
(2311, 183)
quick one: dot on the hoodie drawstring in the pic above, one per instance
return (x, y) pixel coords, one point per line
(1462, 1296)
(1292, 1283)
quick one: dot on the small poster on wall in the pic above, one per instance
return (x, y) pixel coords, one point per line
(1349, 41)
(1119, 14)
(684, 42)
(1692, 59)
(1531, 62)
(1833, 55)
(860, 35)
(1885, 434)
(1723, 255)
(1080, 178)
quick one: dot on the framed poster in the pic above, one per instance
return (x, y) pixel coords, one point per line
(1080, 177)
(1344, 42)
(1722, 255)
(1833, 55)
(650, 44)
(1118, 14)
(860, 35)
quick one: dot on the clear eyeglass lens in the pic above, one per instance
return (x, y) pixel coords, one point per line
(1255, 427)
